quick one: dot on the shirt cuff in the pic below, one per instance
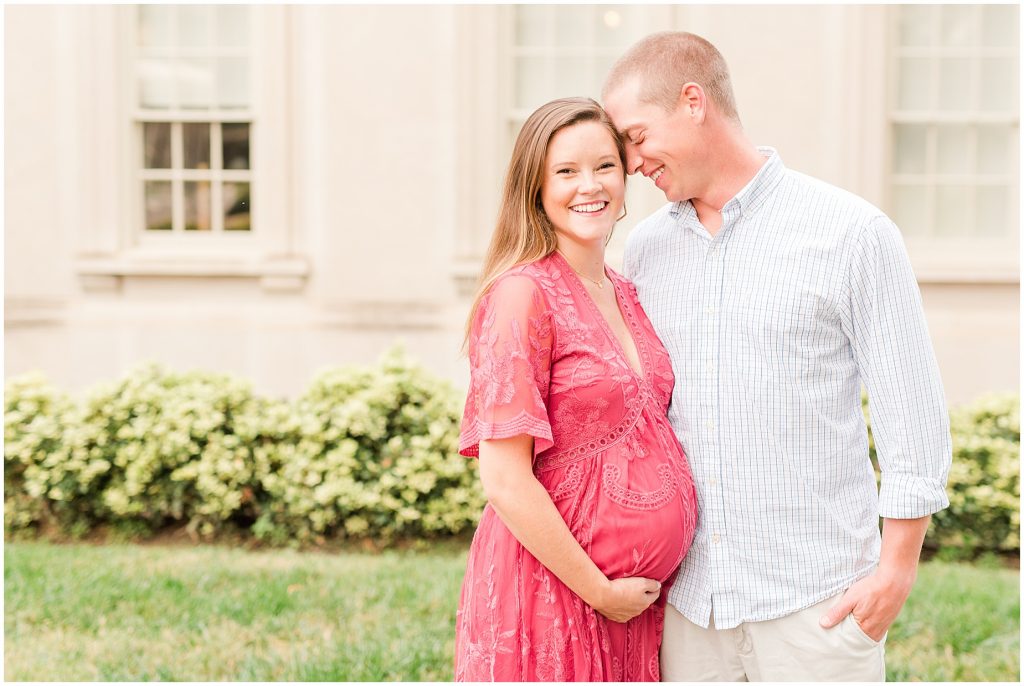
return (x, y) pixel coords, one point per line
(909, 496)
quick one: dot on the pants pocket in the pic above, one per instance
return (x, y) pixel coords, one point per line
(859, 632)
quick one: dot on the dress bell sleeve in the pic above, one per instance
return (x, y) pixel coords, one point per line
(510, 367)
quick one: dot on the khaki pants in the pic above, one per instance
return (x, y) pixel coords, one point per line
(790, 648)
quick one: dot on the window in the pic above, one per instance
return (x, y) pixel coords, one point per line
(193, 114)
(955, 123)
(184, 152)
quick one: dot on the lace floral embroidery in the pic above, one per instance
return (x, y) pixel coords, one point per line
(635, 500)
(570, 483)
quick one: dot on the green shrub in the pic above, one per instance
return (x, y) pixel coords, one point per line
(984, 480)
(40, 482)
(363, 453)
(371, 452)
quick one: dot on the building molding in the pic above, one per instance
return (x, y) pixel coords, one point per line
(383, 315)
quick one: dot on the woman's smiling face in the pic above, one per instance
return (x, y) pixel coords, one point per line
(584, 183)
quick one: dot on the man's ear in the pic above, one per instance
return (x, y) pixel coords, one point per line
(692, 101)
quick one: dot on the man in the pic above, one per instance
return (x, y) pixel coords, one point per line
(777, 296)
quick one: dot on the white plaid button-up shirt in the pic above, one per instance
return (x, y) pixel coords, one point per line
(773, 324)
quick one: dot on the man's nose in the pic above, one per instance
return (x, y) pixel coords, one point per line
(633, 159)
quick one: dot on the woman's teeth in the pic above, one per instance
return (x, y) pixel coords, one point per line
(592, 207)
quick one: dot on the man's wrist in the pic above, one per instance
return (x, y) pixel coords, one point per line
(897, 577)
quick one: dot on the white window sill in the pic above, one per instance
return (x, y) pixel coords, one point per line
(284, 274)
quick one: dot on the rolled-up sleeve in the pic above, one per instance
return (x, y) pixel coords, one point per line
(894, 355)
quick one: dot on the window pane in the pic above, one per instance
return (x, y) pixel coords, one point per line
(235, 139)
(576, 71)
(618, 26)
(999, 85)
(915, 84)
(156, 29)
(993, 211)
(954, 85)
(232, 26)
(917, 25)
(236, 207)
(995, 145)
(158, 205)
(531, 21)
(953, 210)
(531, 82)
(911, 154)
(195, 26)
(233, 82)
(999, 25)
(958, 25)
(156, 138)
(910, 210)
(953, 150)
(197, 206)
(156, 83)
(572, 25)
(197, 145)
(195, 83)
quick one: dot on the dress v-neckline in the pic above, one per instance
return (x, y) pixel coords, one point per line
(640, 374)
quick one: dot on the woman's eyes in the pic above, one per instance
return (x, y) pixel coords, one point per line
(569, 170)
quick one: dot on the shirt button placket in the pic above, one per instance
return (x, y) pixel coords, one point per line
(714, 517)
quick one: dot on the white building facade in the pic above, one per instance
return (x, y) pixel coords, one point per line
(271, 190)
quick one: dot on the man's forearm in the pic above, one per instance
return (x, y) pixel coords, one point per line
(901, 549)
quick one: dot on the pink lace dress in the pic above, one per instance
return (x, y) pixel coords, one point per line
(544, 362)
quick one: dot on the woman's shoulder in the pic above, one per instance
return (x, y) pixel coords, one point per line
(531, 278)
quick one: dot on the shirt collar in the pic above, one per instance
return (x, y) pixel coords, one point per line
(751, 196)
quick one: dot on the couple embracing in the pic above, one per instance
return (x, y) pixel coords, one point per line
(675, 458)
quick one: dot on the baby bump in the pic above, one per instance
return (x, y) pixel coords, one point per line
(643, 520)
(636, 517)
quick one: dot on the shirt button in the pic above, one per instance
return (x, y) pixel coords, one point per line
(711, 368)
(715, 539)
(712, 481)
(709, 310)
(710, 424)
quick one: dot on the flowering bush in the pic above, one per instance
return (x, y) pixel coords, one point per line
(364, 452)
(984, 479)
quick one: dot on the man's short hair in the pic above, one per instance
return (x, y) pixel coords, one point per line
(665, 62)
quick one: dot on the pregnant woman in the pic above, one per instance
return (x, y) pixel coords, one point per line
(591, 504)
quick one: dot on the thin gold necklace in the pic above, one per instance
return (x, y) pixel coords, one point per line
(599, 284)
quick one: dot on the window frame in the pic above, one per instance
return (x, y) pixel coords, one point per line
(949, 259)
(113, 244)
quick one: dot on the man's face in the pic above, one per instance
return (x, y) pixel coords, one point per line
(659, 144)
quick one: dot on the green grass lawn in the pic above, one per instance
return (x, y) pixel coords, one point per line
(124, 612)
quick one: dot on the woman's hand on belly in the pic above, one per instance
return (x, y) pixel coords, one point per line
(623, 599)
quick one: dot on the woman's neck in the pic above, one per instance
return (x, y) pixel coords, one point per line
(586, 258)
